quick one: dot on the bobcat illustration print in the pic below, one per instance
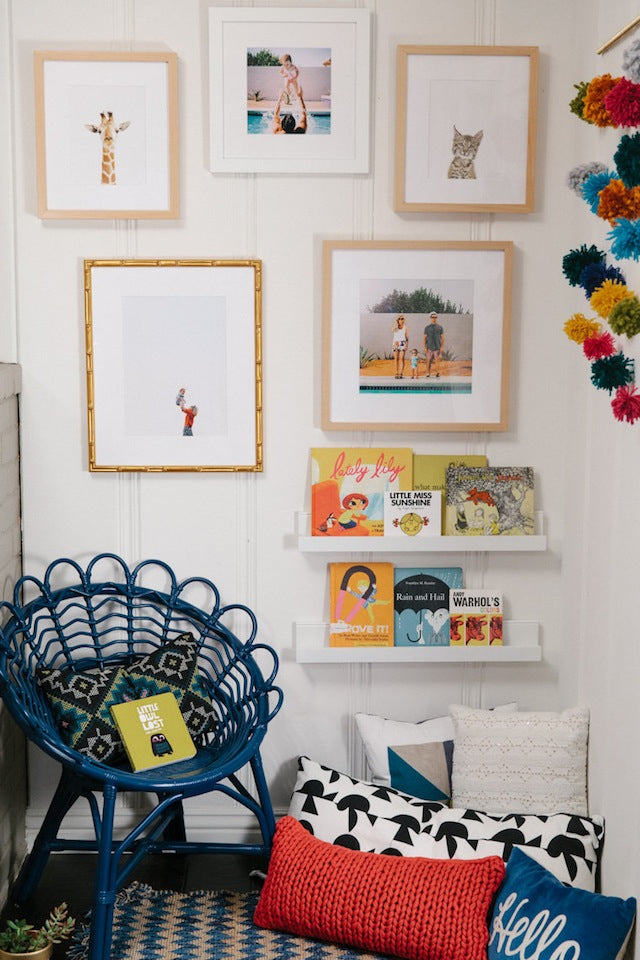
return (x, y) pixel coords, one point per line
(465, 149)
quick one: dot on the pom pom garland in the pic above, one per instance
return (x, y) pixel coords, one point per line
(593, 187)
(598, 346)
(625, 239)
(616, 201)
(593, 109)
(623, 103)
(576, 104)
(631, 61)
(627, 159)
(625, 316)
(577, 176)
(595, 274)
(611, 372)
(626, 404)
(578, 328)
(604, 298)
(574, 262)
(614, 196)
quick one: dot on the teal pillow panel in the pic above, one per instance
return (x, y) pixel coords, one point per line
(174, 667)
(535, 915)
(422, 770)
(80, 703)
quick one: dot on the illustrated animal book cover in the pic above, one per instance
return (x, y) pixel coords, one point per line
(153, 731)
(421, 605)
(412, 513)
(488, 501)
(430, 471)
(348, 486)
(476, 618)
(361, 597)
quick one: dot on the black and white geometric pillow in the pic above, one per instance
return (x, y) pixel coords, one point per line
(354, 813)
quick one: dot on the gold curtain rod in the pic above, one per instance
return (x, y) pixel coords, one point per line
(619, 35)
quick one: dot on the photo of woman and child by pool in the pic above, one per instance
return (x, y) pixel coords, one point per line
(416, 336)
(289, 90)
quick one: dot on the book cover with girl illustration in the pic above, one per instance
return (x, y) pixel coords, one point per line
(348, 486)
(361, 597)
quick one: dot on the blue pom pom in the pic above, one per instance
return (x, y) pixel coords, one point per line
(625, 239)
(595, 274)
(592, 187)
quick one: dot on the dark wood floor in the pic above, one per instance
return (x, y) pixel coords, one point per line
(69, 877)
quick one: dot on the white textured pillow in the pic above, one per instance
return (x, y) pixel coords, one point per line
(522, 762)
(378, 734)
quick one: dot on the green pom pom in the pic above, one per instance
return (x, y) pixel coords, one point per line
(609, 373)
(627, 160)
(625, 317)
(574, 262)
(576, 105)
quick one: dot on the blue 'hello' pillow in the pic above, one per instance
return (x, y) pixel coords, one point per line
(535, 914)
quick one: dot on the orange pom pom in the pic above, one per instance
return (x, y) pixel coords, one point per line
(616, 200)
(594, 109)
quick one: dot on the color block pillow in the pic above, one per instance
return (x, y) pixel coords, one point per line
(415, 758)
(80, 704)
(521, 762)
(535, 915)
(412, 908)
(174, 667)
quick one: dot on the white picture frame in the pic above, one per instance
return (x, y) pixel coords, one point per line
(163, 337)
(101, 151)
(333, 75)
(489, 96)
(367, 285)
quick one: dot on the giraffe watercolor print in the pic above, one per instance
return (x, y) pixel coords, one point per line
(107, 134)
(108, 130)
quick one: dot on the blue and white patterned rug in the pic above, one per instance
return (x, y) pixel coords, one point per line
(164, 925)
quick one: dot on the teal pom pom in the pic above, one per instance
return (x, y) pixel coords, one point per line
(625, 317)
(625, 239)
(574, 262)
(593, 185)
(595, 274)
(627, 160)
(609, 373)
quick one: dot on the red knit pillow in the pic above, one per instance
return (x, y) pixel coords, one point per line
(407, 906)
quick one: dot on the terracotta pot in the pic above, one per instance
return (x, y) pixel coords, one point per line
(42, 954)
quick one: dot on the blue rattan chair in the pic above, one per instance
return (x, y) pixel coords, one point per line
(76, 618)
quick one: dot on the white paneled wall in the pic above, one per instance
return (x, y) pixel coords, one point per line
(239, 530)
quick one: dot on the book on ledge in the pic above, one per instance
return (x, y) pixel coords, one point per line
(153, 731)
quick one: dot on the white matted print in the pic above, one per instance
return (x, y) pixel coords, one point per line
(174, 365)
(106, 135)
(416, 335)
(466, 121)
(280, 71)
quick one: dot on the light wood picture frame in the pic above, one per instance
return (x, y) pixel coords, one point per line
(174, 365)
(460, 377)
(328, 96)
(465, 129)
(106, 135)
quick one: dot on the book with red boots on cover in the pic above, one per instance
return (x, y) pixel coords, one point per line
(348, 486)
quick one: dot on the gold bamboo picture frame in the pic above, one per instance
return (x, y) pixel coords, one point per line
(106, 135)
(174, 365)
(454, 301)
(465, 129)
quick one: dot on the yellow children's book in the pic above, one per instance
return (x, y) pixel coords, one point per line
(153, 731)
(348, 486)
(361, 596)
(430, 469)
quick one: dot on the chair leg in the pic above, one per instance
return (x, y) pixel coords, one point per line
(63, 799)
(267, 821)
(104, 895)
(176, 830)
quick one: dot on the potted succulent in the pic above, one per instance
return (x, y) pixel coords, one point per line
(21, 940)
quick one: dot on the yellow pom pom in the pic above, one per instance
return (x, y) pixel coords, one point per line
(605, 297)
(578, 328)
